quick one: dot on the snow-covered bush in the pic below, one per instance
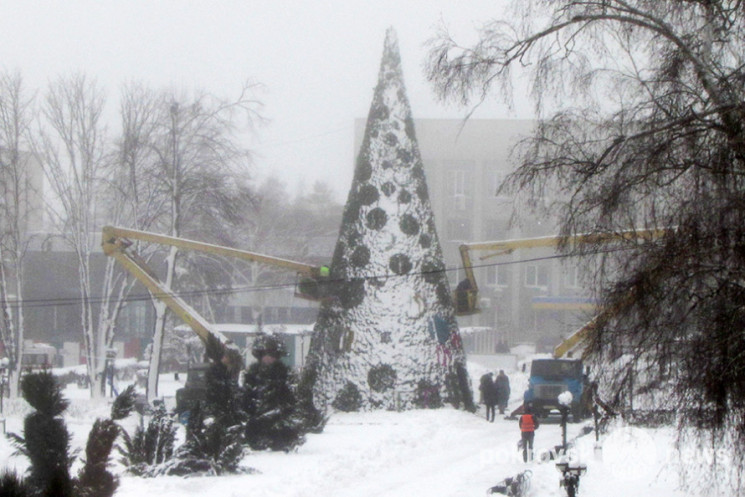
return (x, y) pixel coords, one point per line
(150, 446)
(210, 449)
(46, 443)
(12, 485)
(275, 420)
(214, 434)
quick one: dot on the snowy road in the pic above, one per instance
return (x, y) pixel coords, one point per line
(429, 453)
(442, 453)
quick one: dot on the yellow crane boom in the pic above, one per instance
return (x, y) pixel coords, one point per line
(112, 237)
(466, 294)
(116, 243)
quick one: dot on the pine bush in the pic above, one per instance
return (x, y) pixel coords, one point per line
(46, 443)
(274, 420)
(214, 437)
(94, 480)
(12, 485)
(150, 446)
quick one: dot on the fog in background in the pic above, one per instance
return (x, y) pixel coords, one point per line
(317, 62)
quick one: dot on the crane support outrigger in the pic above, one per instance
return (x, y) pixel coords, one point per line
(117, 242)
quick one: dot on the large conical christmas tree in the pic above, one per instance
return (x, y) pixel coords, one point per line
(388, 337)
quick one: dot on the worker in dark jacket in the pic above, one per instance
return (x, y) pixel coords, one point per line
(488, 395)
(528, 423)
(502, 386)
(268, 398)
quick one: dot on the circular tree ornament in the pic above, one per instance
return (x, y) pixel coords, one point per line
(382, 378)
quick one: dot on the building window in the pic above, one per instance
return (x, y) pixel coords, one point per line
(303, 315)
(458, 229)
(497, 276)
(135, 318)
(458, 182)
(534, 321)
(571, 277)
(495, 229)
(232, 314)
(497, 178)
(271, 315)
(536, 276)
(459, 188)
(246, 314)
(282, 315)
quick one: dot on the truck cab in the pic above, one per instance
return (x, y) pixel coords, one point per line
(551, 377)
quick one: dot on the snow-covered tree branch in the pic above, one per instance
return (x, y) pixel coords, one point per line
(641, 108)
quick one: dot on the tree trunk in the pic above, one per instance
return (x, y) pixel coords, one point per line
(161, 313)
(14, 376)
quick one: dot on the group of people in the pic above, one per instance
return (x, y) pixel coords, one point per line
(495, 393)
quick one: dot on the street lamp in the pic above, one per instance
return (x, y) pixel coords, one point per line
(565, 403)
(570, 472)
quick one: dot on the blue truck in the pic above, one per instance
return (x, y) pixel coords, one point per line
(551, 377)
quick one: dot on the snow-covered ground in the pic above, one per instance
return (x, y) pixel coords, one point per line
(431, 453)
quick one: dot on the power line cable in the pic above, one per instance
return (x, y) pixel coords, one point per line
(70, 301)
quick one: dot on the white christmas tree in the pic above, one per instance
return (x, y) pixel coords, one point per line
(388, 337)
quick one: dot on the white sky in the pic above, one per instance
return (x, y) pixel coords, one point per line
(318, 61)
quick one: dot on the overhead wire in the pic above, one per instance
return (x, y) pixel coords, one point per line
(69, 301)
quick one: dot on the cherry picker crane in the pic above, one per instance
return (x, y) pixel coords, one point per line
(117, 243)
(466, 294)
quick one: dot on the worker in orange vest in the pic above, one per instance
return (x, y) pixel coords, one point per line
(528, 423)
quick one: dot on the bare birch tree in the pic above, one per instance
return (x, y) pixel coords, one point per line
(268, 229)
(130, 199)
(17, 209)
(200, 169)
(274, 225)
(138, 192)
(642, 108)
(73, 151)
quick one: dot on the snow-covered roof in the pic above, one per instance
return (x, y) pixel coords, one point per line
(253, 329)
(30, 346)
(469, 330)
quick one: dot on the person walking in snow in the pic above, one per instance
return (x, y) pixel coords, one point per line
(488, 395)
(528, 423)
(502, 384)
